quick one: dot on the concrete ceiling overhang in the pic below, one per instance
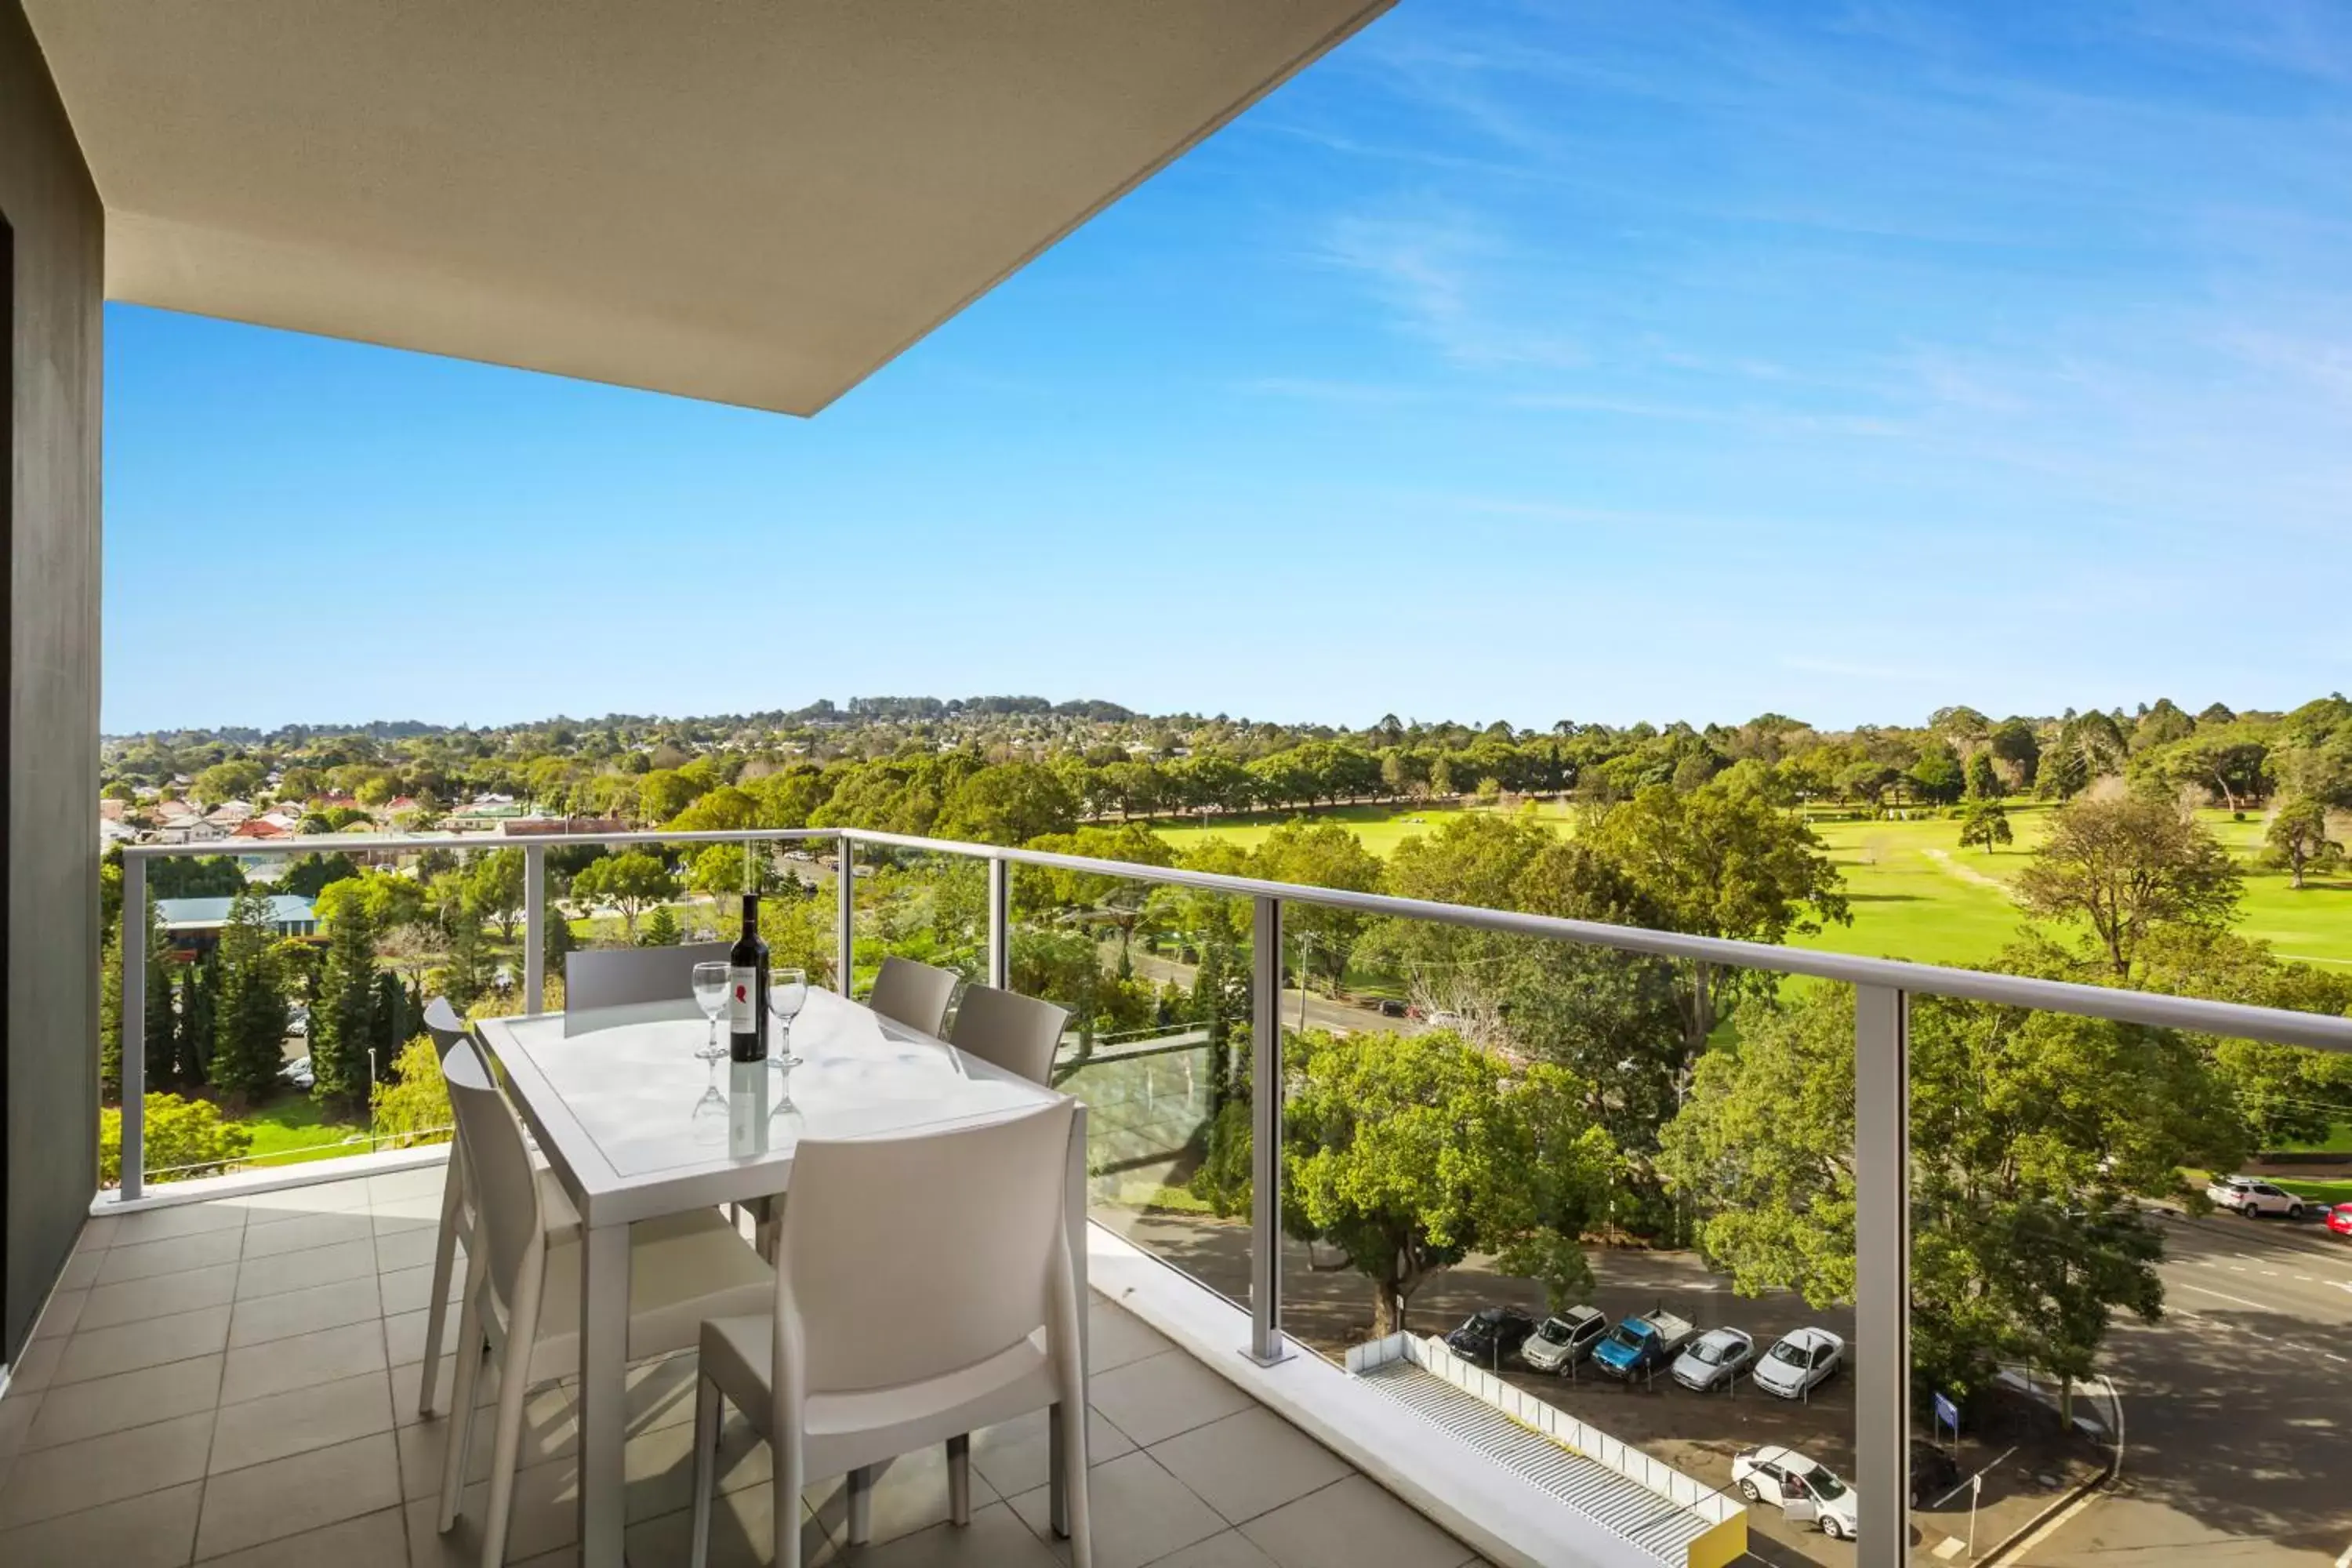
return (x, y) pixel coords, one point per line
(756, 202)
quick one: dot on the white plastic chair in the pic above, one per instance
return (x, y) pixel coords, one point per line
(460, 1222)
(912, 994)
(1012, 1031)
(617, 976)
(522, 1294)
(925, 1289)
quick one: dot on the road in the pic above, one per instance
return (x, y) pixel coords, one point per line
(2237, 1409)
(1322, 1013)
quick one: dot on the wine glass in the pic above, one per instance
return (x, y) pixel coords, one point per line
(787, 995)
(710, 995)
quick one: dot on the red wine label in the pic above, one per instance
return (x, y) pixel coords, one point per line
(742, 1000)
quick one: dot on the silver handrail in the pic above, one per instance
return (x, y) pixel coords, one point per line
(1882, 988)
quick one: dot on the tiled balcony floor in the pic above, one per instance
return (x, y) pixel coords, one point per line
(235, 1382)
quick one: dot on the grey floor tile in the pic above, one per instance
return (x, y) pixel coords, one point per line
(60, 1315)
(1155, 1398)
(257, 1431)
(37, 1368)
(156, 1530)
(658, 1465)
(296, 1494)
(18, 1412)
(549, 1431)
(253, 1371)
(911, 1493)
(103, 1352)
(176, 1220)
(1116, 1337)
(315, 1197)
(1231, 1550)
(158, 1296)
(97, 1234)
(177, 1255)
(404, 1334)
(1249, 1463)
(1013, 1455)
(299, 1233)
(47, 1482)
(405, 1289)
(81, 1271)
(1353, 1523)
(546, 1517)
(371, 1541)
(281, 1317)
(73, 1411)
(996, 1536)
(742, 1535)
(1140, 1513)
(408, 1249)
(301, 1270)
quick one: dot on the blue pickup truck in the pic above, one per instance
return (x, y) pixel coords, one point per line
(1639, 1346)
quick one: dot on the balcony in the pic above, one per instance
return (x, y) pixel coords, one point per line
(235, 1382)
(1251, 1320)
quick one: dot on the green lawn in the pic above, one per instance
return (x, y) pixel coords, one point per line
(1914, 892)
(291, 1129)
(2327, 1191)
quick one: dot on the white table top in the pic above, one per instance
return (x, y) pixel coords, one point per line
(612, 1096)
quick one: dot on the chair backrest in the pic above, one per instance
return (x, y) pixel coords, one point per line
(617, 976)
(441, 1022)
(498, 1174)
(1016, 1033)
(904, 1258)
(915, 995)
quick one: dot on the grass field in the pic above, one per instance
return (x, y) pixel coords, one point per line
(1914, 892)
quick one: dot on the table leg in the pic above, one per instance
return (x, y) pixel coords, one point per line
(603, 1392)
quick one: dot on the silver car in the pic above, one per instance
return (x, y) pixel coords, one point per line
(1560, 1343)
(1714, 1360)
(1801, 1360)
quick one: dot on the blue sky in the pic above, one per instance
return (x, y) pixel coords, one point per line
(1582, 361)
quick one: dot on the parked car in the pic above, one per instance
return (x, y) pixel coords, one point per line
(1934, 1473)
(297, 1073)
(297, 1020)
(1489, 1334)
(1560, 1343)
(2339, 1220)
(2253, 1197)
(1641, 1345)
(1714, 1360)
(1800, 1362)
(1807, 1492)
(1392, 1007)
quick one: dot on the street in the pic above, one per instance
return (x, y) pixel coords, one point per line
(2237, 1409)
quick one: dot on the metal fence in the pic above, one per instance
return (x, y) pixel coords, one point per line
(1882, 988)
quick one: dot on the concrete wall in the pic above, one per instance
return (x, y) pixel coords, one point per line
(50, 1084)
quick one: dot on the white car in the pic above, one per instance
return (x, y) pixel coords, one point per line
(1808, 1493)
(297, 1073)
(1714, 1360)
(1560, 1343)
(2253, 1197)
(1801, 1360)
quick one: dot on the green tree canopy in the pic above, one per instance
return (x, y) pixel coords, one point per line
(2125, 865)
(630, 883)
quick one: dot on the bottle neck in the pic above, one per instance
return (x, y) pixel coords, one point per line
(750, 913)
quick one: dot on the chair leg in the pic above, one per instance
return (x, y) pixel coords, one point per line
(707, 1408)
(960, 1478)
(514, 1382)
(1071, 1420)
(861, 1505)
(1057, 1492)
(461, 1405)
(445, 1251)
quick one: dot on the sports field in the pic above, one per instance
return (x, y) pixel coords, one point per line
(1917, 894)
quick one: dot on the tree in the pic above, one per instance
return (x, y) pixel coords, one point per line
(249, 1014)
(2030, 1133)
(2298, 839)
(228, 781)
(661, 929)
(312, 874)
(1408, 1156)
(1320, 855)
(184, 1138)
(412, 1106)
(2126, 867)
(494, 890)
(1985, 825)
(629, 883)
(343, 1019)
(156, 1028)
(1011, 803)
(1984, 779)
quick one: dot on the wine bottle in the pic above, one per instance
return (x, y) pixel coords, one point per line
(747, 989)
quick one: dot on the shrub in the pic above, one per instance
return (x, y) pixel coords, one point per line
(184, 1138)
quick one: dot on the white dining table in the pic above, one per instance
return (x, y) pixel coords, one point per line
(636, 1125)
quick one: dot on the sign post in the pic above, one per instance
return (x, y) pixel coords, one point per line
(1975, 1490)
(1947, 1415)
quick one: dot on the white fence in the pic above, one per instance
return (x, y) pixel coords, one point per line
(1431, 1356)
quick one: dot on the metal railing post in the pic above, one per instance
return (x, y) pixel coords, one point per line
(534, 928)
(844, 888)
(134, 1025)
(1882, 1261)
(1266, 1345)
(1000, 923)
